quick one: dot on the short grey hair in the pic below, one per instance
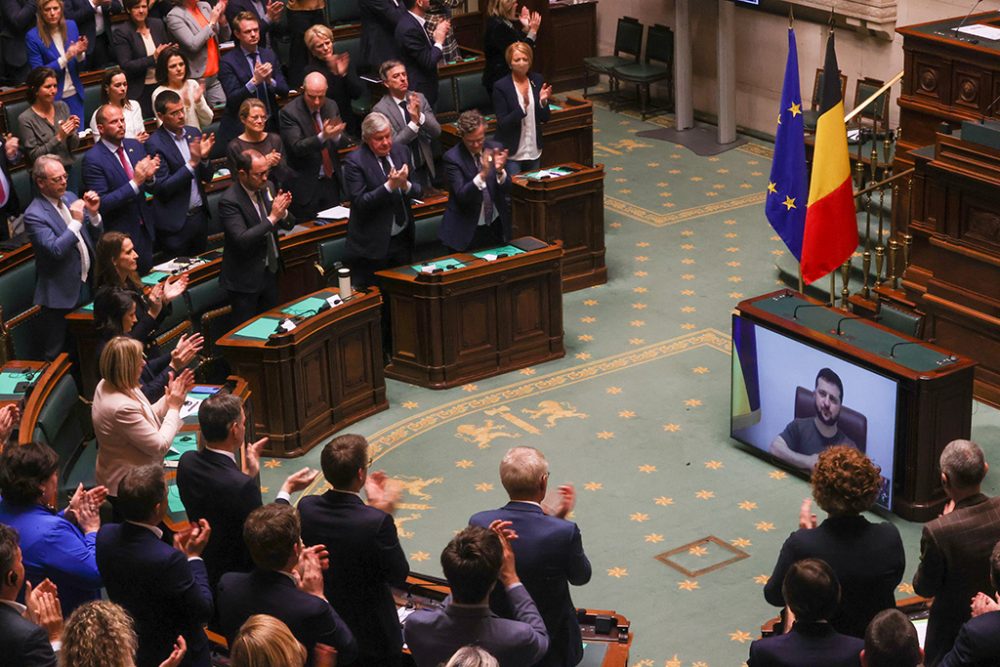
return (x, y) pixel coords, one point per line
(521, 471)
(40, 169)
(373, 124)
(963, 463)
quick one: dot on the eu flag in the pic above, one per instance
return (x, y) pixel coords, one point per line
(787, 189)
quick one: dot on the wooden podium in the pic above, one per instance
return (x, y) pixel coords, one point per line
(567, 208)
(480, 318)
(317, 378)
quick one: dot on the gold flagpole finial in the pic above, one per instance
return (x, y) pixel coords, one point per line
(791, 17)
(832, 18)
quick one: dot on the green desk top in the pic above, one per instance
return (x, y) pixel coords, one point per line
(185, 441)
(10, 378)
(446, 264)
(154, 277)
(306, 307)
(946, 29)
(259, 329)
(507, 250)
(859, 333)
(174, 503)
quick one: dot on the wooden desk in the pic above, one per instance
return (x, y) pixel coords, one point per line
(487, 318)
(568, 35)
(568, 136)
(317, 378)
(569, 209)
(422, 590)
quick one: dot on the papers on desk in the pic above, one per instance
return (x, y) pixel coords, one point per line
(178, 264)
(404, 613)
(191, 403)
(982, 31)
(334, 213)
(294, 230)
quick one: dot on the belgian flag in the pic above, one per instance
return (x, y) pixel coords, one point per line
(831, 229)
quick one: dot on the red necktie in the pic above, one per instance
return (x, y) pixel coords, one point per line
(126, 165)
(324, 151)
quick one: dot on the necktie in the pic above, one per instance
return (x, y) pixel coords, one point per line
(399, 213)
(324, 150)
(406, 112)
(271, 258)
(418, 158)
(487, 199)
(81, 247)
(126, 165)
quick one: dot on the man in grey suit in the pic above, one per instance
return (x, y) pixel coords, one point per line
(955, 548)
(412, 119)
(63, 231)
(472, 563)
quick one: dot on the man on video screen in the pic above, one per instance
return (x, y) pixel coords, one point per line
(803, 439)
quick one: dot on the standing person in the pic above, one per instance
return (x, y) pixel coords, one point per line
(380, 230)
(199, 28)
(521, 103)
(378, 30)
(268, 13)
(253, 115)
(47, 127)
(120, 171)
(93, 20)
(179, 197)
(419, 53)
(955, 548)
(504, 26)
(16, 18)
(23, 640)
(892, 641)
(978, 642)
(251, 214)
(164, 589)
(10, 204)
(549, 551)
(342, 82)
(63, 231)
(56, 43)
(300, 15)
(172, 74)
(365, 555)
(312, 131)
(867, 558)
(412, 118)
(438, 11)
(478, 210)
(101, 634)
(138, 42)
(114, 91)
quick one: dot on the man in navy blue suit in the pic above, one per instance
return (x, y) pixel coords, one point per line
(812, 592)
(214, 488)
(418, 52)
(478, 211)
(378, 29)
(164, 589)
(119, 170)
(268, 12)
(978, 642)
(64, 231)
(366, 558)
(549, 550)
(286, 583)
(93, 20)
(249, 70)
(892, 641)
(179, 209)
(376, 177)
(22, 643)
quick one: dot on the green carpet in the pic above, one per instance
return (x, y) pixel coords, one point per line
(635, 415)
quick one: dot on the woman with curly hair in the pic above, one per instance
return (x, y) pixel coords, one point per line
(867, 557)
(101, 634)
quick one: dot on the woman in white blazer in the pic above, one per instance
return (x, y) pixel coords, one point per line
(130, 430)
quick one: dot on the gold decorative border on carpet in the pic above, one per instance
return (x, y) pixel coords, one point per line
(663, 220)
(758, 150)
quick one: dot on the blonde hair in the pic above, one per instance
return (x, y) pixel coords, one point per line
(314, 33)
(251, 103)
(43, 27)
(264, 641)
(496, 8)
(519, 47)
(521, 471)
(98, 634)
(121, 362)
(472, 656)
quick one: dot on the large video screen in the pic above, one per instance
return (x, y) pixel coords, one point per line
(791, 401)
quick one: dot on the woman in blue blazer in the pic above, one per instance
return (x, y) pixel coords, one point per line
(56, 43)
(521, 103)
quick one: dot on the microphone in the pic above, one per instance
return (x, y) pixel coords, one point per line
(840, 331)
(892, 350)
(795, 312)
(959, 26)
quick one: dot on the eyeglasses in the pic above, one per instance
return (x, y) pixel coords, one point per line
(58, 179)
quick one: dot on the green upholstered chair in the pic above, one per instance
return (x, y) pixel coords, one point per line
(628, 46)
(330, 253)
(215, 233)
(340, 12)
(64, 425)
(11, 110)
(447, 102)
(657, 66)
(472, 94)
(426, 244)
(899, 320)
(811, 115)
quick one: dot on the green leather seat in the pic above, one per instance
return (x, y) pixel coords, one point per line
(339, 12)
(17, 289)
(64, 425)
(21, 180)
(91, 101)
(329, 253)
(426, 244)
(659, 48)
(11, 111)
(628, 41)
(446, 102)
(472, 94)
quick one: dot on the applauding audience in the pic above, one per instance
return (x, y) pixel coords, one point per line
(56, 43)
(172, 73)
(114, 91)
(29, 633)
(47, 127)
(101, 634)
(521, 102)
(138, 43)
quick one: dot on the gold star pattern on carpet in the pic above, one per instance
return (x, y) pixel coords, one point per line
(637, 323)
(617, 572)
(663, 501)
(638, 517)
(640, 290)
(698, 550)
(671, 428)
(583, 356)
(732, 249)
(484, 487)
(906, 588)
(734, 264)
(688, 261)
(647, 468)
(761, 579)
(764, 526)
(735, 279)
(705, 494)
(747, 505)
(687, 232)
(464, 464)
(420, 556)
(590, 302)
(740, 636)
(593, 486)
(654, 538)
(272, 463)
(688, 326)
(605, 435)
(637, 341)
(586, 338)
(777, 474)
(688, 585)
(588, 320)
(626, 414)
(639, 306)
(640, 274)
(687, 246)
(736, 295)
(469, 387)
(528, 371)
(642, 244)
(641, 258)
(693, 403)
(714, 465)
(687, 276)
(740, 542)
(613, 390)
(688, 309)
(700, 370)
(410, 405)
(687, 292)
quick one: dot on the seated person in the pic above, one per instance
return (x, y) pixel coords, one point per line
(22, 641)
(472, 656)
(412, 119)
(891, 641)
(812, 593)
(286, 583)
(978, 642)
(473, 562)
(101, 633)
(59, 547)
(264, 641)
(803, 439)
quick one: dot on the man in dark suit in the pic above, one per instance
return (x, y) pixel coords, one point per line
(249, 70)
(287, 583)
(549, 551)
(251, 258)
(214, 488)
(812, 592)
(365, 555)
(93, 20)
(64, 231)
(22, 643)
(378, 29)
(412, 118)
(978, 642)
(376, 177)
(164, 589)
(473, 562)
(119, 170)
(955, 548)
(10, 205)
(478, 210)
(312, 131)
(268, 14)
(17, 17)
(891, 641)
(418, 52)
(178, 192)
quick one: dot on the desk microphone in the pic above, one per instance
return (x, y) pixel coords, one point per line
(795, 313)
(892, 350)
(959, 26)
(840, 332)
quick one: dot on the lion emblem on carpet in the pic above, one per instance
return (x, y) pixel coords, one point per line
(415, 487)
(482, 436)
(553, 411)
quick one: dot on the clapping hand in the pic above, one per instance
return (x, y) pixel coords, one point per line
(380, 492)
(92, 202)
(145, 169)
(76, 210)
(544, 94)
(11, 145)
(44, 609)
(141, 136)
(332, 127)
(312, 561)
(500, 160)
(262, 73)
(68, 127)
(298, 481)
(441, 31)
(273, 159)
(174, 287)
(534, 22)
(186, 349)
(413, 107)
(485, 162)
(192, 541)
(983, 603)
(200, 92)
(178, 387)
(339, 63)
(251, 456)
(806, 518)
(508, 571)
(280, 205)
(10, 414)
(175, 657)
(398, 178)
(274, 10)
(567, 501)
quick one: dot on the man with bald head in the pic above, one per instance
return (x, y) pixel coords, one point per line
(312, 131)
